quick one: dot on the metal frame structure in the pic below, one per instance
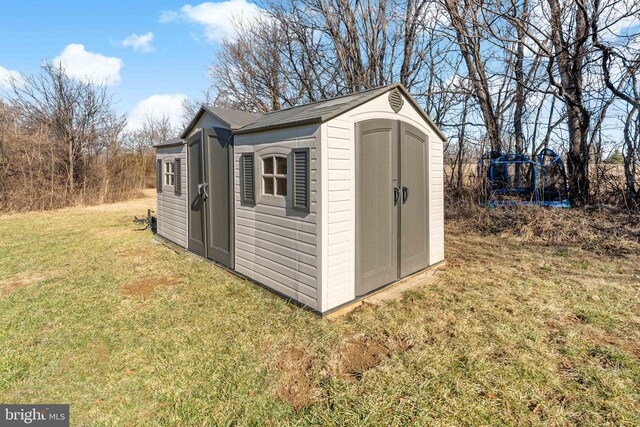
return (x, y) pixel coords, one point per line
(543, 174)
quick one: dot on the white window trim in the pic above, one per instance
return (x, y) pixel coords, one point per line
(169, 173)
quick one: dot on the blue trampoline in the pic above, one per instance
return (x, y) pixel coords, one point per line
(553, 180)
(516, 180)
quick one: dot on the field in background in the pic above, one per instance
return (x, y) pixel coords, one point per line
(513, 331)
(470, 171)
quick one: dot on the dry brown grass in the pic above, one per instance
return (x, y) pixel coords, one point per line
(604, 230)
(144, 288)
(21, 281)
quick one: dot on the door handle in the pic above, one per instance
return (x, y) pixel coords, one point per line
(396, 195)
(202, 190)
(405, 195)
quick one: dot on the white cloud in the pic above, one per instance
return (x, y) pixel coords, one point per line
(139, 43)
(6, 76)
(88, 66)
(168, 16)
(157, 106)
(218, 19)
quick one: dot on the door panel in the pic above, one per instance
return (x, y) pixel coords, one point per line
(219, 166)
(414, 229)
(195, 176)
(376, 214)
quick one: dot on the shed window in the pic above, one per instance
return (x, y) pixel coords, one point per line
(169, 173)
(274, 175)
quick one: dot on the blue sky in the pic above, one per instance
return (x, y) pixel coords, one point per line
(151, 53)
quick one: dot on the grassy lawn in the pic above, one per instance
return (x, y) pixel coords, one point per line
(95, 314)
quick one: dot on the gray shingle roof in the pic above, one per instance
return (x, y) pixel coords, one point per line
(314, 112)
(170, 142)
(234, 118)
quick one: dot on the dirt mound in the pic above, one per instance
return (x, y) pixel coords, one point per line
(603, 230)
(350, 361)
(360, 355)
(144, 288)
(296, 385)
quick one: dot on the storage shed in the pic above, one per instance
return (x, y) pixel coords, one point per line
(322, 203)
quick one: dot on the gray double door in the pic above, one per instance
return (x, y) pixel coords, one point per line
(392, 233)
(210, 193)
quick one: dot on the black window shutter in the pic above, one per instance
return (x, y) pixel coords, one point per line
(301, 171)
(248, 179)
(177, 188)
(159, 176)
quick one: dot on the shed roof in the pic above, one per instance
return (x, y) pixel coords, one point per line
(241, 122)
(234, 119)
(170, 142)
(318, 111)
(321, 111)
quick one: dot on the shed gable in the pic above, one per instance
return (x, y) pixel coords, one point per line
(338, 215)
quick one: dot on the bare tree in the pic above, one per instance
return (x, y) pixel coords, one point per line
(466, 20)
(61, 139)
(248, 72)
(158, 129)
(78, 116)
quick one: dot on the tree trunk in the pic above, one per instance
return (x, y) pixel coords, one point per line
(578, 156)
(519, 93)
(630, 157)
(570, 59)
(71, 170)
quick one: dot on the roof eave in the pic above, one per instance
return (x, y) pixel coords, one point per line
(422, 112)
(315, 120)
(170, 144)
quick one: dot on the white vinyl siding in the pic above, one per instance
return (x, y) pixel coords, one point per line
(340, 213)
(436, 201)
(172, 209)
